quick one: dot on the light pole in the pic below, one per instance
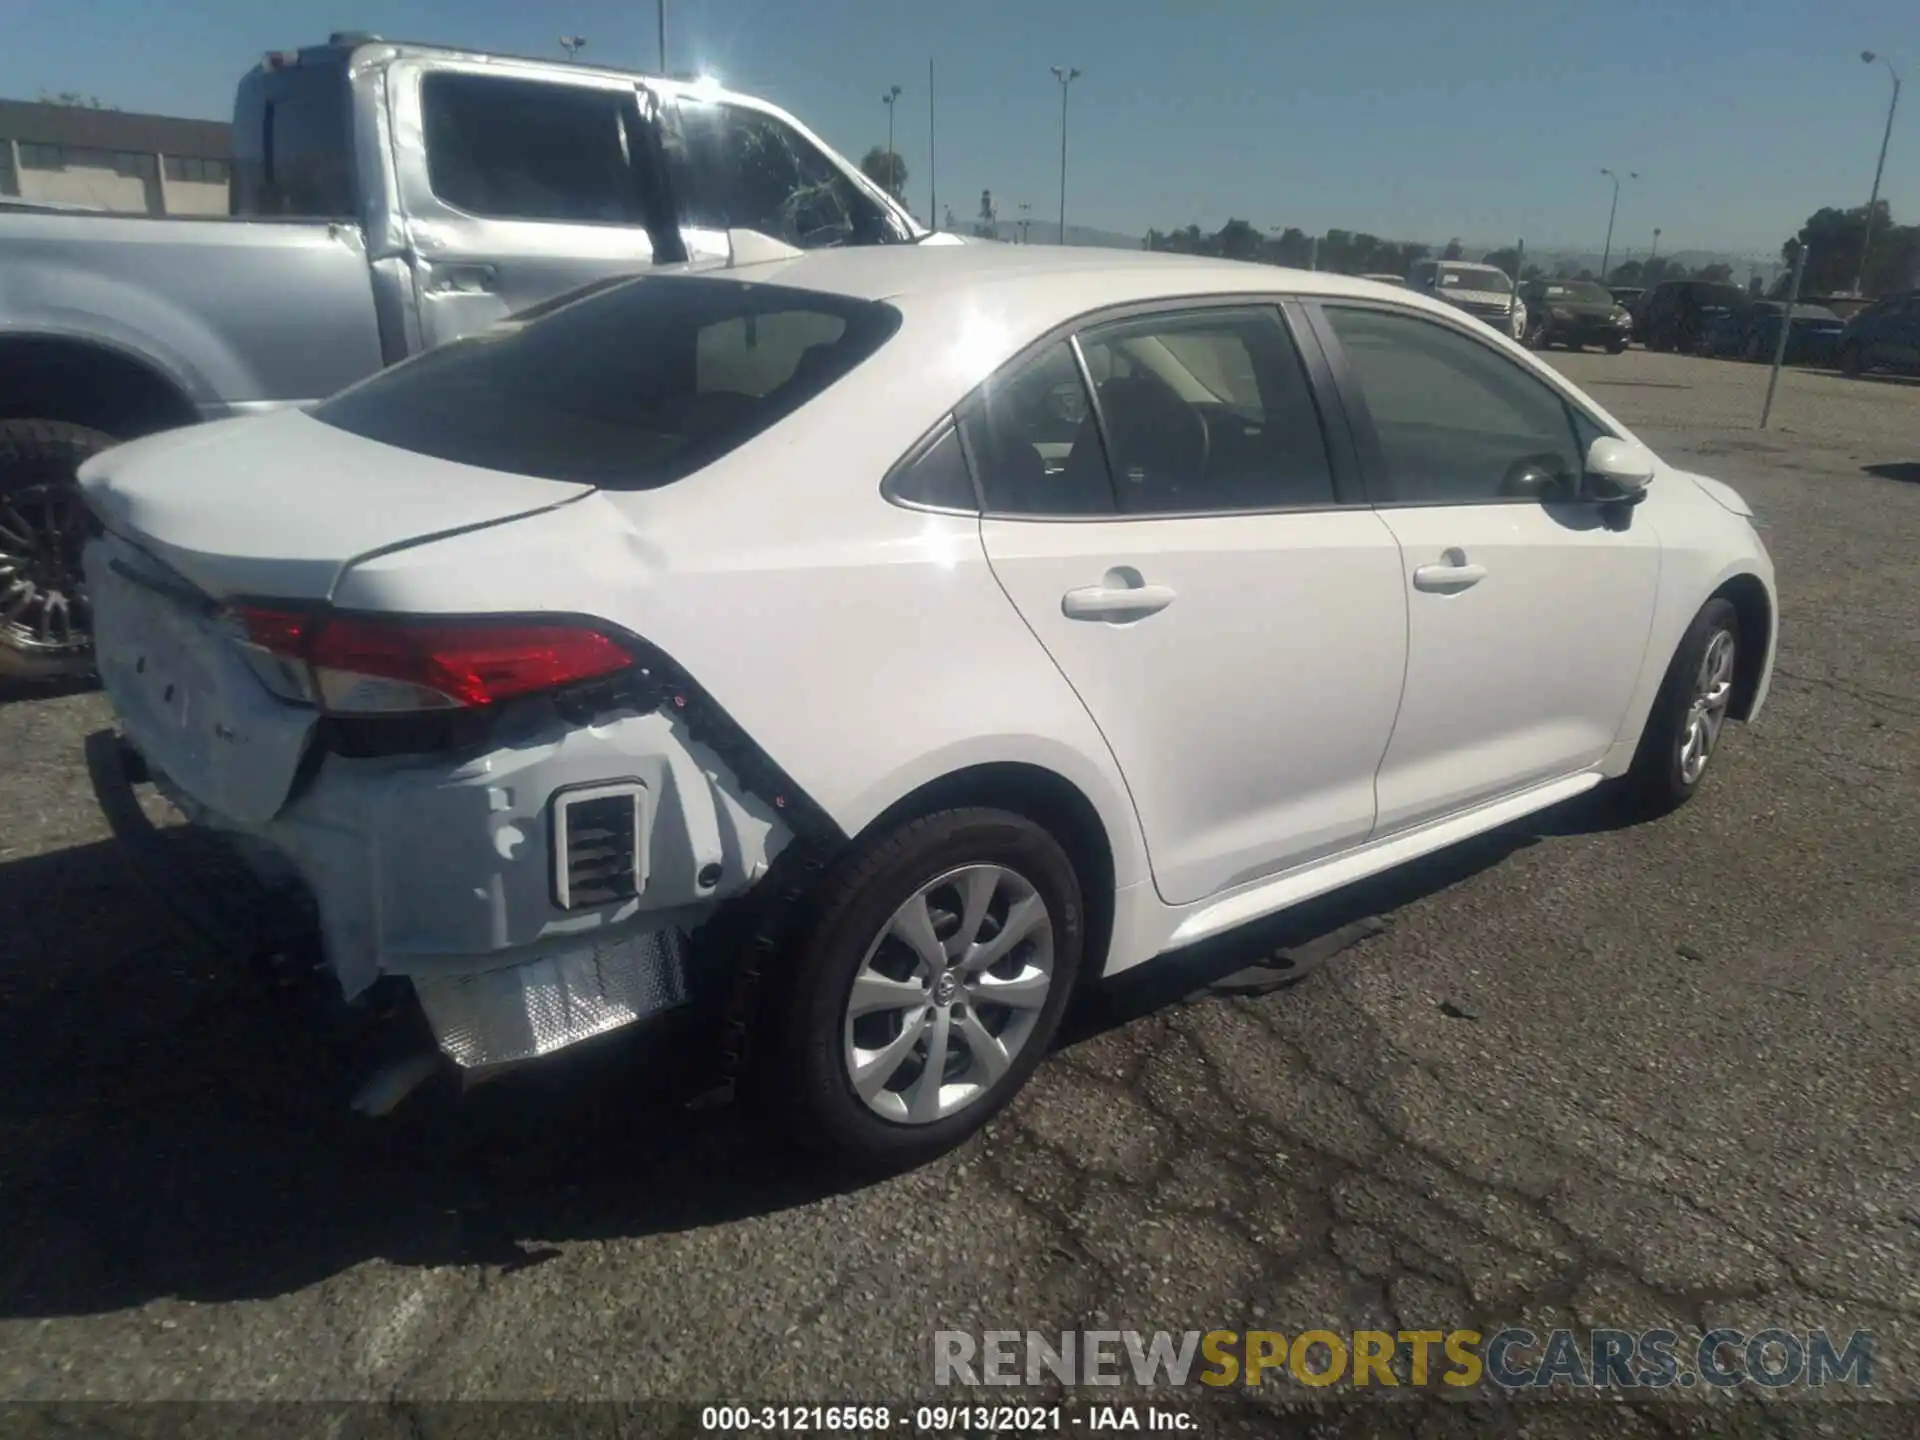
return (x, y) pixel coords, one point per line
(571, 44)
(1606, 253)
(1024, 208)
(660, 17)
(888, 100)
(1654, 254)
(1066, 77)
(1873, 203)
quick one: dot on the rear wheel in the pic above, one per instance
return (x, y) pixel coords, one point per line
(1614, 347)
(931, 979)
(1852, 361)
(1683, 729)
(45, 623)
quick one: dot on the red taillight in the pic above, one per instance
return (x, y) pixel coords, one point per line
(361, 665)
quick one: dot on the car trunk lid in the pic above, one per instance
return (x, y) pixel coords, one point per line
(280, 505)
(273, 508)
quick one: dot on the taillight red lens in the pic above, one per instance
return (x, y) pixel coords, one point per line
(368, 665)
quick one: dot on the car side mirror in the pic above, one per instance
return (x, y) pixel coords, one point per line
(1616, 471)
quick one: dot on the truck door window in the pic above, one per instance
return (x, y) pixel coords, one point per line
(532, 150)
(737, 168)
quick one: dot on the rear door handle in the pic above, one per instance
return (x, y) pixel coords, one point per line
(1115, 602)
(1453, 573)
(465, 280)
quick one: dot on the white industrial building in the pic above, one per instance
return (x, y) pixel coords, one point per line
(112, 160)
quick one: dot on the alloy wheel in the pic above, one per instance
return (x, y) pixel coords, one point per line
(43, 594)
(1707, 711)
(948, 993)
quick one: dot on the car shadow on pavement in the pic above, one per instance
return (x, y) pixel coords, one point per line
(1907, 470)
(172, 1128)
(13, 692)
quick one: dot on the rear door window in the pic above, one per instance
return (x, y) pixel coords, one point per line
(1207, 412)
(533, 150)
(628, 388)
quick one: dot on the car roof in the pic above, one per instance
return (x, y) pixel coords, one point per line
(1040, 280)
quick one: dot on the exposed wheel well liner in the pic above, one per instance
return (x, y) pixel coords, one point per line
(1047, 799)
(83, 383)
(1750, 603)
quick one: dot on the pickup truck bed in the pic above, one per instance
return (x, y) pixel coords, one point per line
(240, 314)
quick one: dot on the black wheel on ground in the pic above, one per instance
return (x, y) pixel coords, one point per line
(1614, 347)
(1852, 361)
(932, 973)
(45, 624)
(1689, 714)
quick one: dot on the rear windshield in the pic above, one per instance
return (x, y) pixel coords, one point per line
(1475, 278)
(628, 388)
(1581, 292)
(293, 143)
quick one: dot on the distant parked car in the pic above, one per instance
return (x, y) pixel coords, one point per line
(1884, 336)
(1399, 280)
(1844, 304)
(1626, 294)
(1676, 314)
(1482, 291)
(1813, 338)
(1574, 313)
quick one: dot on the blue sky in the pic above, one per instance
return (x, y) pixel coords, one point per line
(1481, 118)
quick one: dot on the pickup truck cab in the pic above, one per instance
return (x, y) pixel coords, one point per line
(386, 198)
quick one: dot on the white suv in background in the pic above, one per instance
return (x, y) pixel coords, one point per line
(1485, 292)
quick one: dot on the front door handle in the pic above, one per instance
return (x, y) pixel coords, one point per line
(1452, 574)
(1115, 601)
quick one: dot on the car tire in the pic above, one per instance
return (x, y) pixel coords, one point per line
(1615, 347)
(891, 1118)
(42, 528)
(1689, 714)
(1852, 362)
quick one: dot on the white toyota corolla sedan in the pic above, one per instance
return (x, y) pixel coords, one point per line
(874, 646)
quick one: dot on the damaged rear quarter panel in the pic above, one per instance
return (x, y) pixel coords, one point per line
(425, 867)
(866, 649)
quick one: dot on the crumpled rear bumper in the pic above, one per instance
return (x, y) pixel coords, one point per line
(441, 872)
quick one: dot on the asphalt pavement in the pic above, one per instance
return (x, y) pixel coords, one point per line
(1584, 1074)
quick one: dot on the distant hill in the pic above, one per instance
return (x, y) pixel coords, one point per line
(1047, 232)
(1551, 258)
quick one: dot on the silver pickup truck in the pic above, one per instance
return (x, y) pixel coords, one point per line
(386, 198)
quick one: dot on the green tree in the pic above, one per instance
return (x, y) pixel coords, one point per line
(1292, 247)
(1719, 271)
(1237, 240)
(874, 166)
(1835, 237)
(1507, 258)
(1628, 272)
(1454, 249)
